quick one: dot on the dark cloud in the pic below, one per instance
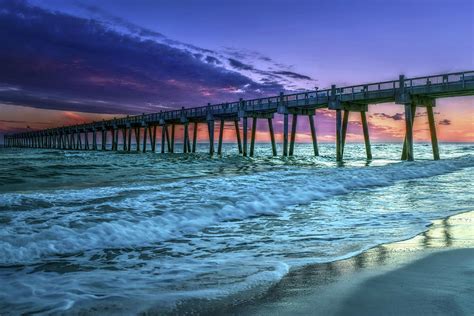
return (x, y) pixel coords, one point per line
(395, 117)
(213, 60)
(292, 75)
(119, 21)
(445, 122)
(58, 61)
(239, 65)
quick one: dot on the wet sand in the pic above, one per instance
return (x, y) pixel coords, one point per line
(430, 274)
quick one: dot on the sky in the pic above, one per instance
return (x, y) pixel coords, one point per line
(66, 62)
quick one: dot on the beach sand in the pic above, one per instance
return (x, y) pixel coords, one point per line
(430, 274)
(439, 284)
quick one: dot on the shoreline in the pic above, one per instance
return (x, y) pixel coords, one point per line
(381, 280)
(375, 282)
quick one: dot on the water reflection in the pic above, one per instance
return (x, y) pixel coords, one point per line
(449, 233)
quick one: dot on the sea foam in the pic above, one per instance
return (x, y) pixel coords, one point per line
(150, 214)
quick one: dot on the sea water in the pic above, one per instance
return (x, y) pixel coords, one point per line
(134, 232)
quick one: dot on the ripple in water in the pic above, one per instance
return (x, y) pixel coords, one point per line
(116, 230)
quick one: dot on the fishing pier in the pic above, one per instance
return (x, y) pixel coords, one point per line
(410, 92)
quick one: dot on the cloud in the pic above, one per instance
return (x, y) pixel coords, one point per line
(395, 117)
(239, 65)
(58, 61)
(445, 122)
(264, 68)
(213, 60)
(117, 21)
(291, 74)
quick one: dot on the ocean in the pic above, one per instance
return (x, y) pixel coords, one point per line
(135, 232)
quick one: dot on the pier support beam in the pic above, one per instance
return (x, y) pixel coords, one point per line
(129, 139)
(272, 136)
(293, 134)
(285, 134)
(195, 132)
(172, 138)
(94, 139)
(114, 142)
(71, 141)
(137, 137)
(409, 120)
(411, 101)
(115, 131)
(145, 131)
(244, 135)
(188, 140)
(313, 135)
(79, 141)
(221, 135)
(365, 128)
(345, 121)
(434, 138)
(86, 140)
(103, 142)
(185, 137)
(163, 138)
(342, 122)
(153, 141)
(237, 133)
(168, 139)
(210, 125)
(124, 138)
(338, 136)
(252, 139)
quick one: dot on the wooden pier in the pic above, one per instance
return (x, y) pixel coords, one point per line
(410, 92)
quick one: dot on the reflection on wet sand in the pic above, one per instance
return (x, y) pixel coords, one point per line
(450, 233)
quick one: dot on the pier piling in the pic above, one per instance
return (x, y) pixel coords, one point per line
(195, 132)
(237, 134)
(94, 139)
(145, 132)
(313, 135)
(365, 128)
(252, 137)
(129, 137)
(293, 133)
(153, 141)
(272, 136)
(185, 138)
(173, 129)
(221, 135)
(434, 139)
(338, 136)
(163, 138)
(409, 120)
(244, 136)
(285, 134)
(345, 121)
(210, 125)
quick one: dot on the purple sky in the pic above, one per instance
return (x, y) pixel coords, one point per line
(119, 57)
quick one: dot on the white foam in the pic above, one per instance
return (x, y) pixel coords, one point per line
(170, 210)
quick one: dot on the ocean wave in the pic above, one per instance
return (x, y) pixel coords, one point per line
(156, 213)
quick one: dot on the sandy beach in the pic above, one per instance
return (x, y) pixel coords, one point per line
(430, 274)
(439, 284)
